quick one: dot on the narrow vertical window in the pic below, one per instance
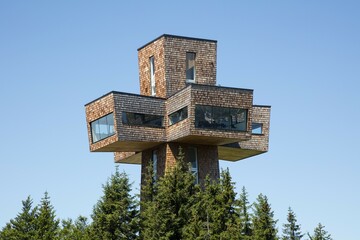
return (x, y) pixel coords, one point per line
(190, 67)
(154, 163)
(152, 76)
(193, 163)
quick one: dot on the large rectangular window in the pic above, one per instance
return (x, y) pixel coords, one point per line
(178, 116)
(152, 76)
(220, 118)
(141, 119)
(102, 128)
(192, 151)
(190, 67)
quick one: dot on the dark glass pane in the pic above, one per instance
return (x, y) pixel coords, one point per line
(238, 119)
(221, 118)
(178, 116)
(203, 116)
(140, 119)
(124, 118)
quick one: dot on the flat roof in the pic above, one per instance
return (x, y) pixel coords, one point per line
(176, 36)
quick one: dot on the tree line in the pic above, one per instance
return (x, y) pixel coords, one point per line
(171, 207)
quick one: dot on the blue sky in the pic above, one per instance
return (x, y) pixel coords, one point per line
(300, 57)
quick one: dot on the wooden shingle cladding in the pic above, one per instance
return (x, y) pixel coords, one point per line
(202, 115)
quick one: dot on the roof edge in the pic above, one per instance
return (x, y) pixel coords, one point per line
(177, 36)
(124, 93)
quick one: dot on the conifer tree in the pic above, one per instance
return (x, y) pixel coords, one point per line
(23, 226)
(320, 233)
(245, 220)
(166, 217)
(264, 225)
(291, 230)
(147, 203)
(75, 230)
(214, 214)
(228, 214)
(47, 226)
(115, 216)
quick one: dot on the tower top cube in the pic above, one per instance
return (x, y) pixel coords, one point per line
(168, 63)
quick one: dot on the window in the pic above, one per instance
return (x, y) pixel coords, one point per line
(152, 76)
(141, 119)
(154, 163)
(102, 128)
(190, 67)
(220, 118)
(257, 128)
(178, 116)
(193, 162)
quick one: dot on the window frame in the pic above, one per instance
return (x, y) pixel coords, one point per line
(194, 170)
(154, 159)
(96, 124)
(152, 76)
(183, 114)
(188, 59)
(259, 125)
(222, 123)
(141, 116)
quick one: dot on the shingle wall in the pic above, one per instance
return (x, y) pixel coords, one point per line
(223, 97)
(175, 61)
(155, 49)
(170, 64)
(173, 104)
(139, 104)
(96, 110)
(261, 114)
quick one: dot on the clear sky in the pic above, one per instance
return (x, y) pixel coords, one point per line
(300, 57)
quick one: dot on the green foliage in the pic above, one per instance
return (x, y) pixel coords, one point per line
(77, 230)
(245, 220)
(172, 207)
(264, 225)
(291, 230)
(213, 213)
(320, 233)
(166, 215)
(47, 227)
(115, 216)
(33, 223)
(23, 226)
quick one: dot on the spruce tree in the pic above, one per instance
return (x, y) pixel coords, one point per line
(228, 214)
(115, 216)
(23, 226)
(213, 214)
(47, 226)
(264, 225)
(320, 233)
(169, 211)
(245, 220)
(291, 230)
(75, 230)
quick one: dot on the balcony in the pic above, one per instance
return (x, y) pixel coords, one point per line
(216, 115)
(126, 122)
